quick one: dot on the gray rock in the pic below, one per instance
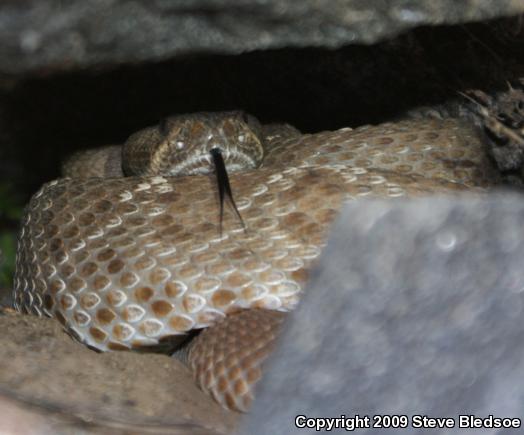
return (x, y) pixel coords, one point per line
(416, 308)
(55, 35)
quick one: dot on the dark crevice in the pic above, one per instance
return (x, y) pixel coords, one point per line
(45, 118)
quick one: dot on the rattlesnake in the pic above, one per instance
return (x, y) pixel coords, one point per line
(131, 262)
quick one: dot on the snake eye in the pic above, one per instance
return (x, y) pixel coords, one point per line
(180, 145)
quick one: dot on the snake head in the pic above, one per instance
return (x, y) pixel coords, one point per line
(182, 144)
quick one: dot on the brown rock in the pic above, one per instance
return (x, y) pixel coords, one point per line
(51, 384)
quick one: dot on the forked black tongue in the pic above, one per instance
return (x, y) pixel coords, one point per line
(224, 188)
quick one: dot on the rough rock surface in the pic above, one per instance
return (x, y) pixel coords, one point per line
(43, 371)
(416, 308)
(54, 35)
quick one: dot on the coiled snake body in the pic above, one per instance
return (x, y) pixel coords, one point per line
(129, 262)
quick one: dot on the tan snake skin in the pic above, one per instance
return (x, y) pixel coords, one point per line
(129, 262)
